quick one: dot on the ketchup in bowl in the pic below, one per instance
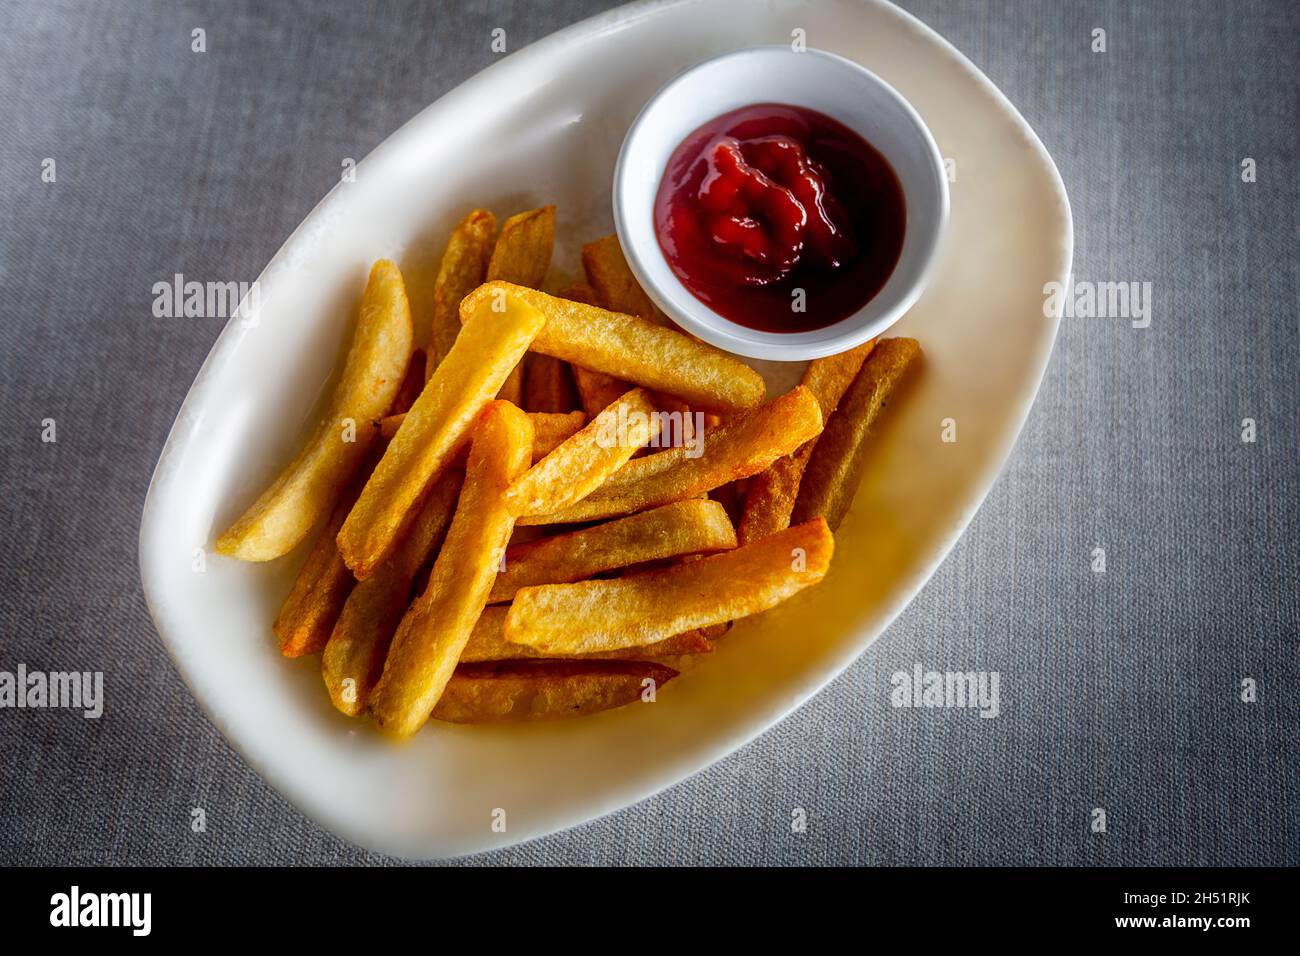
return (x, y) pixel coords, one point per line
(770, 208)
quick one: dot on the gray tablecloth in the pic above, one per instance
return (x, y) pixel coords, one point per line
(1121, 691)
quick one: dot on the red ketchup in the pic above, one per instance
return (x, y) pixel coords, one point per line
(769, 201)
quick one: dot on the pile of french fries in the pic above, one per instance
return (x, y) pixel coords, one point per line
(554, 500)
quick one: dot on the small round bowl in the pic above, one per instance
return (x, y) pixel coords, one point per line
(816, 80)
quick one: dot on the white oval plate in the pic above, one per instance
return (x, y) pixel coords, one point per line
(545, 125)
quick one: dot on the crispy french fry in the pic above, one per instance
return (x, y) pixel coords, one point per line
(834, 469)
(307, 489)
(522, 255)
(536, 690)
(322, 585)
(634, 349)
(354, 654)
(434, 630)
(488, 643)
(829, 378)
(581, 463)
(682, 527)
(740, 447)
(548, 385)
(489, 345)
(609, 275)
(463, 267)
(523, 250)
(772, 493)
(603, 615)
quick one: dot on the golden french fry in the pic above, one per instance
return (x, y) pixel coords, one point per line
(354, 654)
(772, 493)
(323, 583)
(740, 447)
(522, 255)
(307, 489)
(829, 378)
(523, 250)
(536, 690)
(834, 469)
(594, 616)
(548, 385)
(682, 527)
(634, 349)
(487, 642)
(463, 268)
(613, 281)
(489, 345)
(581, 463)
(436, 627)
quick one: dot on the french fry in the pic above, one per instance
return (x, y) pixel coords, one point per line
(609, 275)
(306, 490)
(634, 349)
(354, 654)
(489, 345)
(463, 267)
(740, 447)
(834, 469)
(682, 527)
(436, 627)
(523, 250)
(548, 385)
(522, 255)
(581, 463)
(772, 493)
(595, 616)
(322, 586)
(537, 690)
(487, 642)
